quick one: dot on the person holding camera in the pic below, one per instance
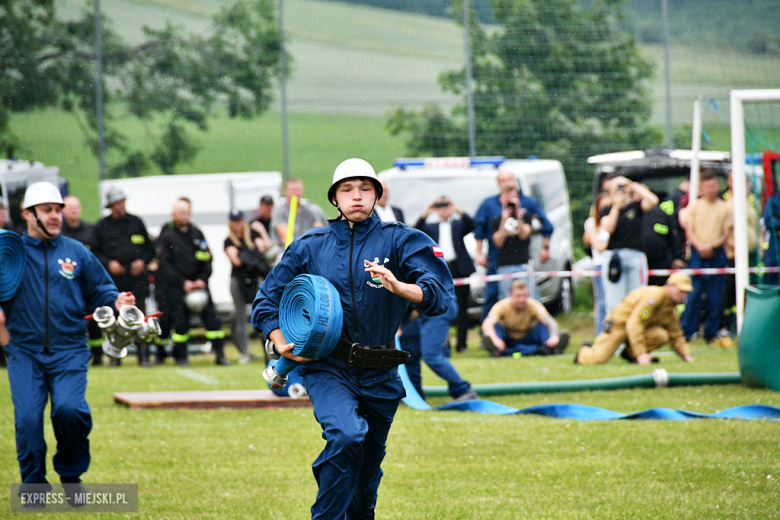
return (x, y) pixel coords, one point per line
(248, 263)
(449, 233)
(512, 236)
(626, 267)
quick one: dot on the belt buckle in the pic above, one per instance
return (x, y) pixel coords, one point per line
(351, 352)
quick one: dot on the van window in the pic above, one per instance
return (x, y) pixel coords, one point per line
(548, 189)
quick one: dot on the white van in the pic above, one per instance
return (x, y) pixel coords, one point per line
(414, 183)
(213, 195)
(16, 175)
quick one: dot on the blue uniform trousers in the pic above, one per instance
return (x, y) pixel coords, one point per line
(714, 287)
(528, 345)
(355, 408)
(429, 346)
(33, 377)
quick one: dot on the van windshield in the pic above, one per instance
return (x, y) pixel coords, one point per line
(412, 195)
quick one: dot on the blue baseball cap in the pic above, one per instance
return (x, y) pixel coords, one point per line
(236, 214)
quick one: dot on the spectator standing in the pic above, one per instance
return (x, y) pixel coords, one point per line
(122, 245)
(772, 247)
(185, 266)
(264, 212)
(512, 237)
(661, 241)
(5, 223)
(308, 215)
(488, 211)
(707, 223)
(47, 358)
(243, 283)
(623, 220)
(730, 298)
(598, 239)
(387, 213)
(75, 228)
(647, 320)
(449, 233)
(521, 326)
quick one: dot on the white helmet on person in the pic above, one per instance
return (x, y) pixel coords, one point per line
(354, 169)
(41, 193)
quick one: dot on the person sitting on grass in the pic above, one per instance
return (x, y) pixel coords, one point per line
(645, 320)
(521, 326)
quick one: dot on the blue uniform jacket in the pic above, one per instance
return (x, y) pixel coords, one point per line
(61, 279)
(337, 252)
(491, 208)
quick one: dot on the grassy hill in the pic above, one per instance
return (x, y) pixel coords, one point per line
(351, 64)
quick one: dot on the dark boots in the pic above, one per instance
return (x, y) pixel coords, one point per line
(180, 354)
(219, 350)
(97, 356)
(143, 355)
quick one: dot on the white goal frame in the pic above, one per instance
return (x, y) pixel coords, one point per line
(738, 98)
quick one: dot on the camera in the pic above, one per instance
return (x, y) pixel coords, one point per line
(621, 188)
(441, 204)
(511, 206)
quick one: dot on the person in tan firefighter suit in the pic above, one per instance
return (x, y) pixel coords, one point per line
(645, 320)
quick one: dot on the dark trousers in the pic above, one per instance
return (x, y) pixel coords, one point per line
(491, 294)
(462, 297)
(355, 408)
(428, 345)
(34, 376)
(176, 317)
(714, 286)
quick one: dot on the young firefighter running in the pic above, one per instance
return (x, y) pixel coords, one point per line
(48, 353)
(378, 268)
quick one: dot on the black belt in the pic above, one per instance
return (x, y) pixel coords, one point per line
(372, 357)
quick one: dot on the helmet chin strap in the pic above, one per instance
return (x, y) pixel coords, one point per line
(40, 224)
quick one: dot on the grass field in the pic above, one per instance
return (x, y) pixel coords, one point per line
(256, 463)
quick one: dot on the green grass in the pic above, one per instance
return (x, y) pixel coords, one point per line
(256, 463)
(318, 142)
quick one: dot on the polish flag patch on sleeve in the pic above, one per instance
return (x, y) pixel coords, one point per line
(437, 251)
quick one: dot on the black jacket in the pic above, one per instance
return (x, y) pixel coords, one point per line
(183, 256)
(660, 239)
(123, 240)
(460, 228)
(84, 233)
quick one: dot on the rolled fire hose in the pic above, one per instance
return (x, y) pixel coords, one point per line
(310, 317)
(13, 260)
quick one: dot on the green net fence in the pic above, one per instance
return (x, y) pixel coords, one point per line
(559, 79)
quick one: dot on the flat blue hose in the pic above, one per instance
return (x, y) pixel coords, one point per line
(583, 412)
(13, 260)
(310, 316)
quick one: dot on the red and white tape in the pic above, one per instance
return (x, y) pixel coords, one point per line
(590, 274)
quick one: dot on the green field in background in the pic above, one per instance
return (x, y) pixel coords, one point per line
(318, 143)
(256, 463)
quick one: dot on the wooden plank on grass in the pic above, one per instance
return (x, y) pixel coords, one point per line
(213, 399)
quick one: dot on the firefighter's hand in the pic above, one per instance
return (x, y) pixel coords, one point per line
(410, 291)
(116, 268)
(124, 299)
(137, 267)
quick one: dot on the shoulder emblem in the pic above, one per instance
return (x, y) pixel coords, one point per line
(137, 239)
(645, 314)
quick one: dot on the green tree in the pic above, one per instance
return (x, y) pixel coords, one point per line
(171, 78)
(552, 79)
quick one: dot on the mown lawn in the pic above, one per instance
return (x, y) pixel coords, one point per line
(256, 463)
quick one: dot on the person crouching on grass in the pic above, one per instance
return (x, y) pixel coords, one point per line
(521, 326)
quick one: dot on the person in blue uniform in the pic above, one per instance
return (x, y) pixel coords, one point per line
(378, 268)
(48, 354)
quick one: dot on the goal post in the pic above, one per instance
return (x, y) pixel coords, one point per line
(738, 156)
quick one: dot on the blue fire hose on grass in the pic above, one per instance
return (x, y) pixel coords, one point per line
(310, 317)
(13, 260)
(583, 412)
